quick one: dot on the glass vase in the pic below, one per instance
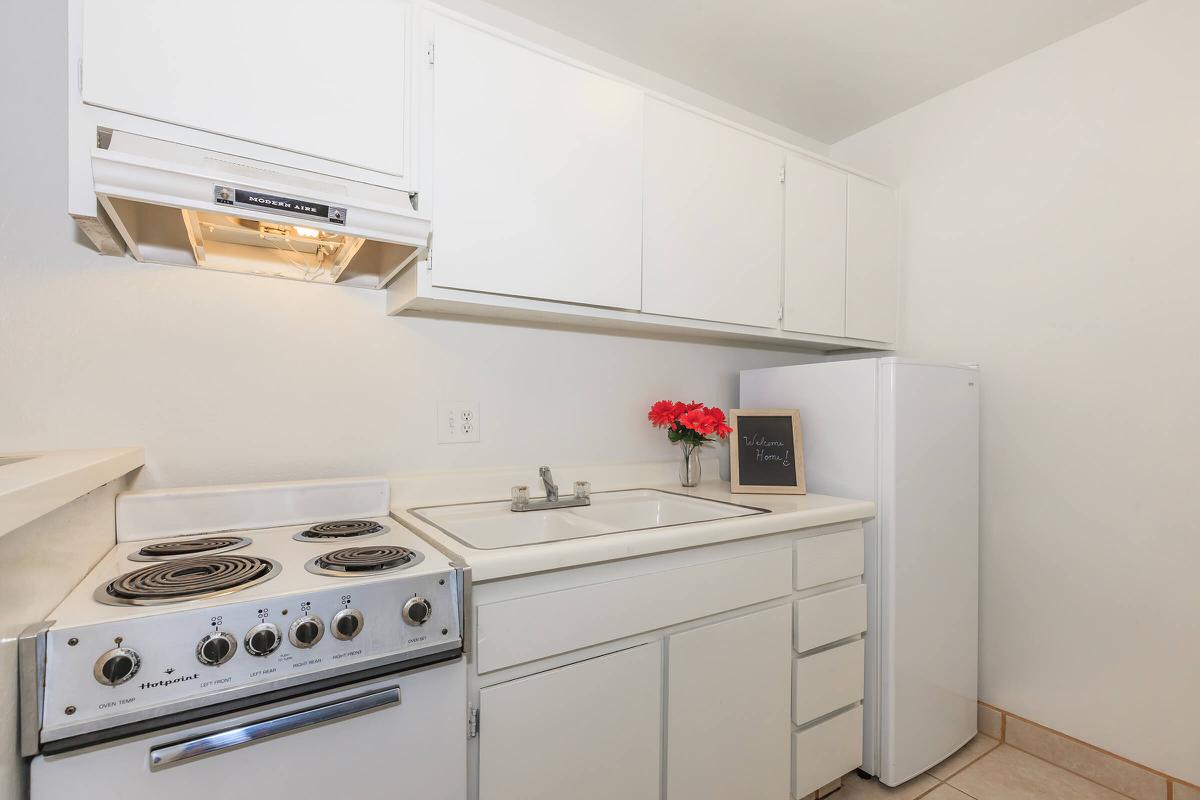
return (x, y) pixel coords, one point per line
(689, 467)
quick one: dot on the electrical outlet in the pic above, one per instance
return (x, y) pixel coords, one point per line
(458, 422)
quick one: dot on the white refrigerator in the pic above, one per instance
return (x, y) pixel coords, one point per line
(905, 434)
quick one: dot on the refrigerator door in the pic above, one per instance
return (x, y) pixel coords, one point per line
(929, 565)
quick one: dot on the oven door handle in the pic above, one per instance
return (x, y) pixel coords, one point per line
(180, 752)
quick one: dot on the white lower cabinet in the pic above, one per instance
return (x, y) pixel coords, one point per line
(711, 673)
(728, 690)
(826, 751)
(587, 731)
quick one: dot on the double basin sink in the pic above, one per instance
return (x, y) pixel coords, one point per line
(493, 525)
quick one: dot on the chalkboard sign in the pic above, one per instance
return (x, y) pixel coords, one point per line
(767, 456)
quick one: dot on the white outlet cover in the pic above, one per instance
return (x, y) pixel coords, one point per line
(458, 423)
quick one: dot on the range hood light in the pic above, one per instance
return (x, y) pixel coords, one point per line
(311, 233)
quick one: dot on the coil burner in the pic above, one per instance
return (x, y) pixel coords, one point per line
(186, 548)
(186, 579)
(350, 561)
(341, 529)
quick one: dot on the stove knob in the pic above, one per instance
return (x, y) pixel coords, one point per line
(347, 624)
(416, 611)
(263, 639)
(306, 631)
(216, 648)
(117, 666)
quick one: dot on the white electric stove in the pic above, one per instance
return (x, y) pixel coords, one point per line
(261, 625)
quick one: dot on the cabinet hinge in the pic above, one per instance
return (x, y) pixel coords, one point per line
(429, 53)
(429, 259)
(472, 722)
(781, 313)
(783, 174)
(79, 67)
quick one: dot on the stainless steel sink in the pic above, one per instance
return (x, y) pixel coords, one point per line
(492, 525)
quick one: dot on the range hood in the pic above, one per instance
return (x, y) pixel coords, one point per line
(171, 203)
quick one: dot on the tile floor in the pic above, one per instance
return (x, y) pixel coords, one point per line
(983, 770)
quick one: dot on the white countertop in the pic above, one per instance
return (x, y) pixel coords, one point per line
(788, 512)
(46, 481)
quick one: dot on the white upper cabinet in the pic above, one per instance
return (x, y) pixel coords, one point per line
(712, 220)
(300, 75)
(537, 175)
(814, 276)
(871, 252)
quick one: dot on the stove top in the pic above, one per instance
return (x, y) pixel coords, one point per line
(222, 617)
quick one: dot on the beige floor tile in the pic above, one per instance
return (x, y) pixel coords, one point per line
(1181, 791)
(989, 722)
(855, 788)
(972, 750)
(946, 792)
(1009, 774)
(1089, 762)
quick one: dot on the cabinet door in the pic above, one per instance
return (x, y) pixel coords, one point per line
(729, 709)
(537, 174)
(712, 238)
(814, 271)
(276, 72)
(871, 244)
(588, 731)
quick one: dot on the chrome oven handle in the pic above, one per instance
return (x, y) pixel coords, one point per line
(180, 752)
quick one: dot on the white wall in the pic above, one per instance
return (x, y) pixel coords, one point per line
(236, 378)
(1052, 232)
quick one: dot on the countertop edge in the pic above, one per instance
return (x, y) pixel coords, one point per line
(53, 479)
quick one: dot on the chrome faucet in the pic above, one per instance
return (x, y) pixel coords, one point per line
(521, 501)
(548, 482)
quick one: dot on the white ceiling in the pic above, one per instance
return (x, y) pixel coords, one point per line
(825, 68)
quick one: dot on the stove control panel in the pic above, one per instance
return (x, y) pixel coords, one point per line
(113, 673)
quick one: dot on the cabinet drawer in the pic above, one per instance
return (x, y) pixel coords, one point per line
(528, 628)
(825, 618)
(825, 752)
(826, 681)
(829, 558)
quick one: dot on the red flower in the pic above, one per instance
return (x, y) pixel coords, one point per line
(719, 427)
(698, 420)
(663, 414)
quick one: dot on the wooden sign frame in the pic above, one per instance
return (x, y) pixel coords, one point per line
(736, 444)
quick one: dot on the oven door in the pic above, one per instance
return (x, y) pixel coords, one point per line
(402, 735)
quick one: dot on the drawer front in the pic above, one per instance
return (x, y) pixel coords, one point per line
(828, 558)
(825, 618)
(826, 681)
(528, 628)
(825, 752)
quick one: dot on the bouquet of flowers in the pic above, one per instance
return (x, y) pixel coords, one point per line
(691, 426)
(690, 423)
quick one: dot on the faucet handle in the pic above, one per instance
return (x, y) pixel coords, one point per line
(583, 489)
(520, 495)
